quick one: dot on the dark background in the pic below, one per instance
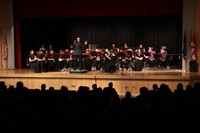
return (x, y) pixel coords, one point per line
(152, 23)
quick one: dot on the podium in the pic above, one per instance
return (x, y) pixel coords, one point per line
(193, 66)
(79, 70)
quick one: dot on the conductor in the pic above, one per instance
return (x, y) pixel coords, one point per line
(78, 46)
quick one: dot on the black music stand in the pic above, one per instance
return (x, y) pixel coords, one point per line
(121, 55)
(85, 56)
(56, 56)
(65, 56)
(94, 53)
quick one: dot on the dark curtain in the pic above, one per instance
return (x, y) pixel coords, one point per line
(102, 32)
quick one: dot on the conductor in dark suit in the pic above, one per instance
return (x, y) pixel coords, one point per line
(78, 46)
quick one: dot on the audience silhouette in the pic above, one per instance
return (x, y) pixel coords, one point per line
(48, 108)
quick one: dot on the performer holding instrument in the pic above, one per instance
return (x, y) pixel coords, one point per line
(162, 62)
(32, 60)
(151, 61)
(139, 59)
(41, 58)
(78, 56)
(51, 61)
(110, 62)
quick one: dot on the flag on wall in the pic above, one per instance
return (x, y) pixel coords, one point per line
(193, 47)
(5, 46)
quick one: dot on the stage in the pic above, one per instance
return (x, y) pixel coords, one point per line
(122, 80)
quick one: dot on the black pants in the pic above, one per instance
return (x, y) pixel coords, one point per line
(139, 64)
(110, 67)
(41, 66)
(78, 62)
(34, 66)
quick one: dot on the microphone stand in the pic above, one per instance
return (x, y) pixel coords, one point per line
(121, 58)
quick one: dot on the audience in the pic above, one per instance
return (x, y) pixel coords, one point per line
(100, 108)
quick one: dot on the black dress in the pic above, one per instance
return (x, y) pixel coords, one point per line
(139, 62)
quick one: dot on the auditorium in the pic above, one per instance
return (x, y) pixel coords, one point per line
(98, 60)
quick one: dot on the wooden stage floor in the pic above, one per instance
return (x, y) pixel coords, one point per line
(122, 80)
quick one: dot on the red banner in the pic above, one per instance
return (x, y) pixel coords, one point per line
(193, 47)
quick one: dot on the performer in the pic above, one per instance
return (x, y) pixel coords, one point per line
(102, 60)
(42, 48)
(110, 61)
(67, 60)
(78, 47)
(49, 48)
(139, 59)
(71, 47)
(71, 59)
(141, 47)
(85, 46)
(163, 57)
(41, 58)
(97, 63)
(121, 59)
(151, 61)
(32, 59)
(87, 60)
(114, 48)
(62, 60)
(129, 57)
(126, 46)
(51, 61)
